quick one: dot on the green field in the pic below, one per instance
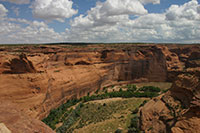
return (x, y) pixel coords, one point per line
(106, 116)
(106, 110)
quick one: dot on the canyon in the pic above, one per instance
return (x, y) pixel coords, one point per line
(37, 78)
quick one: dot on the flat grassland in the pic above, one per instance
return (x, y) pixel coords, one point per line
(107, 115)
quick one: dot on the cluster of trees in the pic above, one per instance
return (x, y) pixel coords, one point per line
(132, 91)
(56, 115)
(68, 117)
(131, 87)
(134, 126)
(150, 89)
(70, 120)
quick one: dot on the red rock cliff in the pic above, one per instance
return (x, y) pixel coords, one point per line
(47, 76)
(176, 111)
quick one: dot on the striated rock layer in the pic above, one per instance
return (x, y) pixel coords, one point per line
(177, 111)
(43, 77)
(15, 121)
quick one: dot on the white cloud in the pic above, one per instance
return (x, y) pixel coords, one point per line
(108, 25)
(121, 7)
(53, 9)
(14, 31)
(109, 13)
(198, 9)
(18, 20)
(18, 1)
(189, 11)
(104, 23)
(3, 11)
(107, 20)
(150, 1)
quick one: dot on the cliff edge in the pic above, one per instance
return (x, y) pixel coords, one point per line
(177, 111)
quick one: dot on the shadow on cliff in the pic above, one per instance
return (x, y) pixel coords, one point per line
(19, 65)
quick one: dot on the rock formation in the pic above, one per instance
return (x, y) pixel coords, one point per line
(15, 121)
(177, 111)
(40, 81)
(44, 77)
(4, 129)
(18, 65)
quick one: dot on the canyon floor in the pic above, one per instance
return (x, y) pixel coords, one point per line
(37, 79)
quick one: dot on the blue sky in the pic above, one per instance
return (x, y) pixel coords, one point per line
(43, 21)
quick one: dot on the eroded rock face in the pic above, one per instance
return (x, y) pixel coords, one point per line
(48, 76)
(4, 129)
(146, 63)
(176, 111)
(47, 80)
(18, 65)
(15, 121)
(193, 60)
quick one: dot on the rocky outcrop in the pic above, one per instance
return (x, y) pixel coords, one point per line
(146, 63)
(16, 121)
(19, 65)
(47, 76)
(176, 111)
(4, 129)
(193, 60)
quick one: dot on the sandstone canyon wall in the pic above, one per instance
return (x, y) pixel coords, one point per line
(43, 77)
(177, 111)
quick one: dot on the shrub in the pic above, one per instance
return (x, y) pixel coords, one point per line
(81, 105)
(97, 91)
(134, 128)
(144, 102)
(150, 89)
(131, 87)
(134, 122)
(146, 94)
(71, 119)
(38, 88)
(106, 91)
(135, 111)
(57, 71)
(164, 91)
(118, 131)
(55, 115)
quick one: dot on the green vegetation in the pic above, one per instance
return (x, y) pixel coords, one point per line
(118, 131)
(56, 115)
(132, 91)
(57, 71)
(97, 91)
(86, 113)
(131, 87)
(98, 116)
(150, 89)
(144, 102)
(123, 94)
(70, 120)
(162, 85)
(134, 128)
(164, 91)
